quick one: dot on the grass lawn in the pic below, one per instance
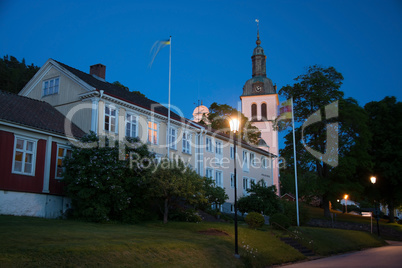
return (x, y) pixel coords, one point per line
(35, 242)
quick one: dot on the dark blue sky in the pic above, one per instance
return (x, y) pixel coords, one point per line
(212, 43)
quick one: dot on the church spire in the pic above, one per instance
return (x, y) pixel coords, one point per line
(258, 42)
(258, 58)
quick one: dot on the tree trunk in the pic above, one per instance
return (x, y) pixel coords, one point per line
(166, 211)
(391, 212)
(325, 205)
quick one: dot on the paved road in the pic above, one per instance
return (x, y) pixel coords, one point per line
(388, 256)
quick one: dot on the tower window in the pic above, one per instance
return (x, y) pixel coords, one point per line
(253, 111)
(264, 111)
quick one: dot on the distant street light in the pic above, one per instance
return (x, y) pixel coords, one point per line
(377, 211)
(346, 202)
(234, 126)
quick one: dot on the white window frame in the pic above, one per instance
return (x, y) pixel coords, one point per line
(218, 147)
(52, 85)
(24, 152)
(219, 178)
(66, 149)
(152, 130)
(232, 180)
(264, 162)
(253, 180)
(231, 152)
(133, 125)
(208, 144)
(172, 138)
(109, 114)
(187, 142)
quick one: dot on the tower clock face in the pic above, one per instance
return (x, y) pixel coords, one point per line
(258, 88)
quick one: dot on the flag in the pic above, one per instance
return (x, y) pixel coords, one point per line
(285, 109)
(158, 45)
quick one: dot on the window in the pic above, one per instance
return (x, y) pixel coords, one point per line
(245, 161)
(264, 111)
(110, 118)
(252, 159)
(131, 125)
(231, 152)
(186, 143)
(218, 147)
(172, 138)
(253, 111)
(62, 152)
(264, 162)
(231, 180)
(24, 156)
(50, 87)
(218, 178)
(152, 132)
(208, 144)
(209, 173)
(252, 181)
(245, 183)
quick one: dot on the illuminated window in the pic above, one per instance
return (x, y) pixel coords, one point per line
(24, 156)
(62, 152)
(152, 132)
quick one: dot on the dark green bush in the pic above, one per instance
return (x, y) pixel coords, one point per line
(254, 220)
(289, 209)
(281, 220)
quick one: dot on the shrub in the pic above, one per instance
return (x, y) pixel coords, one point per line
(281, 220)
(254, 220)
(289, 209)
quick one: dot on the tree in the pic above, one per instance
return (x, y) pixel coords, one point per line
(219, 116)
(173, 184)
(386, 149)
(117, 83)
(104, 188)
(260, 199)
(14, 75)
(215, 195)
(340, 138)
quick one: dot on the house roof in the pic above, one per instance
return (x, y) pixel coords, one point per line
(33, 113)
(120, 93)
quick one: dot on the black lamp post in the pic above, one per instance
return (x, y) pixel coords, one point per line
(376, 210)
(234, 126)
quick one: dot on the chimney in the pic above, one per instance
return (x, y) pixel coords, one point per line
(99, 70)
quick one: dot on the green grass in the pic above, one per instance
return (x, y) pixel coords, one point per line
(330, 241)
(35, 242)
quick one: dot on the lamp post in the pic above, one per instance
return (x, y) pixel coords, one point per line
(346, 202)
(234, 126)
(377, 211)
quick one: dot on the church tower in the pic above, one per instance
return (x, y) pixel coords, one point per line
(259, 103)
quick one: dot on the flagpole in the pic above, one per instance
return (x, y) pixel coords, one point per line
(170, 75)
(295, 163)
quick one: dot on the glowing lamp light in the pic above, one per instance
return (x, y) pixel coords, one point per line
(346, 197)
(234, 125)
(373, 179)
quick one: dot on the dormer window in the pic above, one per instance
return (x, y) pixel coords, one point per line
(50, 87)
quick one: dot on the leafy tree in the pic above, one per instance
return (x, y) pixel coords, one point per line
(260, 199)
(14, 75)
(308, 184)
(117, 83)
(386, 149)
(219, 116)
(173, 184)
(349, 132)
(101, 186)
(215, 195)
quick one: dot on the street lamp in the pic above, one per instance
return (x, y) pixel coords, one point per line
(346, 202)
(377, 211)
(234, 126)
